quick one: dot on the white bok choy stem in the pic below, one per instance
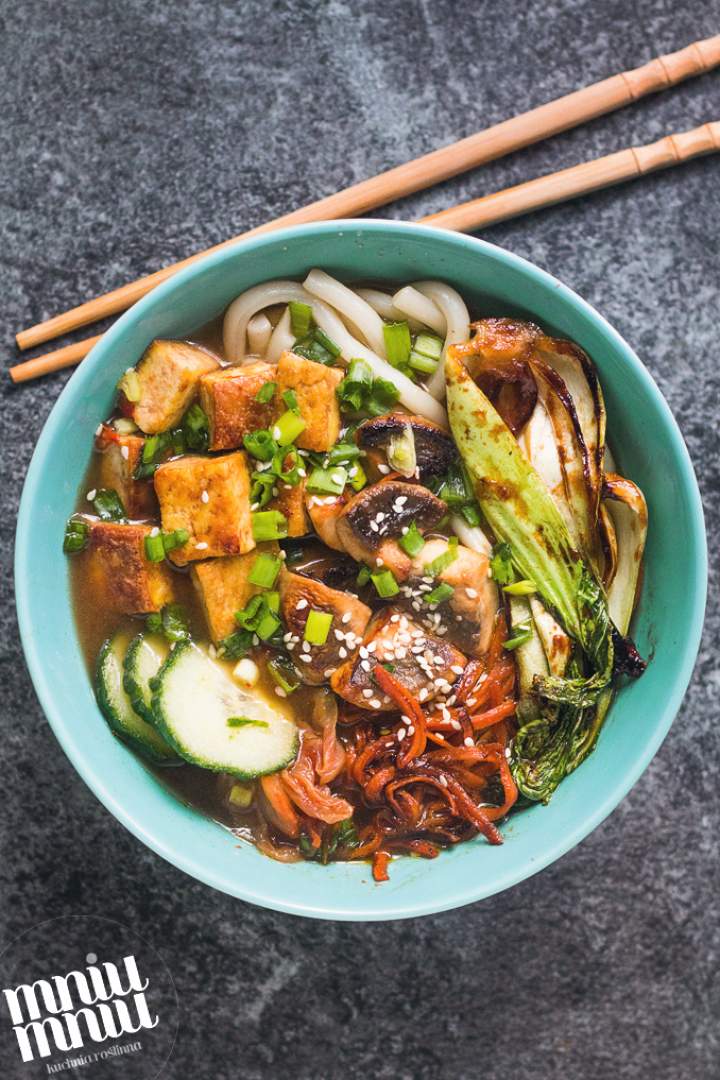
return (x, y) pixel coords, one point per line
(259, 332)
(246, 305)
(414, 305)
(626, 505)
(471, 536)
(457, 326)
(282, 337)
(350, 305)
(555, 642)
(530, 656)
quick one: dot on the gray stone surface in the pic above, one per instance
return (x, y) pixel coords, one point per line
(135, 133)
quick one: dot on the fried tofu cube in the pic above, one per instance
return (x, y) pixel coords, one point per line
(119, 575)
(168, 376)
(223, 588)
(120, 456)
(228, 397)
(290, 501)
(314, 385)
(210, 497)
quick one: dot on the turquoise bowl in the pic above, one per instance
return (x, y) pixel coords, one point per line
(648, 447)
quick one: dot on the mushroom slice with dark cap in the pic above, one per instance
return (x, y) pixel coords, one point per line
(298, 597)
(435, 450)
(427, 665)
(370, 523)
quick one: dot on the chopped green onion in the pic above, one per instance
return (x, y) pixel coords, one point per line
(439, 594)
(153, 448)
(154, 548)
(522, 633)
(236, 645)
(266, 393)
(196, 428)
(280, 469)
(261, 490)
(317, 627)
(283, 673)
(178, 442)
(521, 588)
(241, 795)
(260, 445)
(356, 386)
(171, 621)
(108, 505)
(363, 577)
(385, 583)
(456, 489)
(327, 481)
(421, 363)
(471, 513)
(501, 567)
(436, 566)
(397, 343)
(175, 539)
(301, 318)
(125, 426)
(76, 537)
(412, 542)
(357, 477)
(317, 346)
(343, 452)
(287, 428)
(267, 625)
(269, 525)
(260, 615)
(383, 396)
(264, 571)
(130, 385)
(326, 342)
(290, 399)
(245, 721)
(429, 345)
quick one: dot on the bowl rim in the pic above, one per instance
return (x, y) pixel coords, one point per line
(457, 894)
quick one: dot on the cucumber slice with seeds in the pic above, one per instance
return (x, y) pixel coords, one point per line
(117, 707)
(145, 656)
(193, 700)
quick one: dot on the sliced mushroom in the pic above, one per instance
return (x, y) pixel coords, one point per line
(435, 451)
(473, 605)
(427, 665)
(497, 358)
(298, 597)
(324, 511)
(373, 519)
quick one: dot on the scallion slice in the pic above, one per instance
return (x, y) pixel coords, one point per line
(154, 547)
(429, 345)
(439, 594)
(174, 539)
(385, 583)
(244, 721)
(357, 477)
(317, 627)
(264, 571)
(76, 537)
(269, 525)
(283, 673)
(108, 505)
(196, 428)
(260, 445)
(421, 363)
(301, 318)
(327, 481)
(266, 393)
(412, 542)
(436, 566)
(398, 343)
(291, 401)
(287, 428)
(521, 588)
(522, 634)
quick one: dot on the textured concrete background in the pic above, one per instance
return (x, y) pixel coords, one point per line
(134, 133)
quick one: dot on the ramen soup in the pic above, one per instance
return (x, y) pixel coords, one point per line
(354, 573)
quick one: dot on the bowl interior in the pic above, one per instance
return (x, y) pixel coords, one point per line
(648, 448)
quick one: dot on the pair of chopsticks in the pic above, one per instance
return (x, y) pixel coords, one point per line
(487, 145)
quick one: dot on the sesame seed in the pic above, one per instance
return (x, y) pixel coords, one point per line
(468, 741)
(440, 736)
(201, 546)
(374, 526)
(457, 669)
(306, 646)
(379, 517)
(375, 703)
(384, 469)
(155, 531)
(254, 506)
(342, 653)
(353, 472)
(205, 497)
(371, 647)
(363, 652)
(472, 593)
(98, 429)
(327, 673)
(443, 781)
(302, 603)
(125, 452)
(91, 495)
(367, 693)
(212, 651)
(400, 734)
(404, 530)
(423, 693)
(280, 692)
(470, 702)
(276, 432)
(365, 665)
(337, 478)
(346, 617)
(456, 724)
(411, 729)
(305, 658)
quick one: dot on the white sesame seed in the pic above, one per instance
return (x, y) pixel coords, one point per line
(306, 646)
(411, 729)
(423, 693)
(363, 652)
(365, 665)
(205, 497)
(456, 724)
(346, 617)
(472, 593)
(375, 703)
(201, 546)
(302, 472)
(155, 531)
(305, 658)
(98, 429)
(374, 526)
(342, 653)
(276, 433)
(468, 741)
(400, 734)
(280, 692)
(457, 669)
(91, 495)
(443, 780)
(353, 472)
(384, 469)
(337, 478)
(125, 452)
(379, 517)
(395, 617)
(371, 647)
(404, 531)
(327, 673)
(367, 693)
(302, 603)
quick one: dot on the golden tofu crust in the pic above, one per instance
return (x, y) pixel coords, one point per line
(120, 456)
(314, 385)
(223, 588)
(290, 501)
(119, 575)
(228, 397)
(210, 497)
(168, 374)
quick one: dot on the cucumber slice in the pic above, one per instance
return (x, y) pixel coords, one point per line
(117, 707)
(145, 656)
(193, 700)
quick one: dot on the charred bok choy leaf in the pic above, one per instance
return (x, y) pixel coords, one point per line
(523, 515)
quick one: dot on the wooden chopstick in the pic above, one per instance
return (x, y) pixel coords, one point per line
(494, 142)
(501, 205)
